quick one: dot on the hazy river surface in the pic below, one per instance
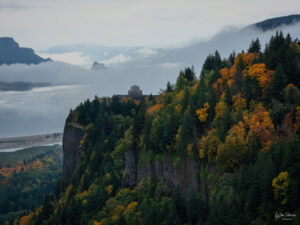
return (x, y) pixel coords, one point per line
(41, 110)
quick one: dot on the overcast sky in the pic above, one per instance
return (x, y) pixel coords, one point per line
(154, 23)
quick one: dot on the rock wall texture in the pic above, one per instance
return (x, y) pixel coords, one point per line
(185, 174)
(73, 134)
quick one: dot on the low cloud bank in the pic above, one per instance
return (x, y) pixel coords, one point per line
(45, 110)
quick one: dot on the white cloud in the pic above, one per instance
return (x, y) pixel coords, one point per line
(75, 58)
(148, 23)
(146, 51)
(117, 59)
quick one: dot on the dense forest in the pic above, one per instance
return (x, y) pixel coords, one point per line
(239, 121)
(25, 177)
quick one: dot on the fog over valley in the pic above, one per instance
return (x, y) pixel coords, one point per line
(44, 109)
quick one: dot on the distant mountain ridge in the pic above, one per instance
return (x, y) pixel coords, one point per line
(11, 53)
(276, 22)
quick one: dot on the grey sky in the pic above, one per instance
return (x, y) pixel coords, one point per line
(155, 23)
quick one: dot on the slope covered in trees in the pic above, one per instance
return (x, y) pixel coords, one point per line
(240, 122)
(25, 177)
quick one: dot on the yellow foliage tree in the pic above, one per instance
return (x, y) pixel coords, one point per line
(130, 208)
(118, 210)
(180, 95)
(202, 113)
(109, 189)
(239, 103)
(280, 186)
(189, 149)
(231, 153)
(209, 146)
(238, 130)
(220, 109)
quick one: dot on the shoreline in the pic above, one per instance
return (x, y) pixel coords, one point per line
(22, 148)
(18, 143)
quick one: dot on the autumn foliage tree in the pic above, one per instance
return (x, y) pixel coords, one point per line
(261, 129)
(231, 154)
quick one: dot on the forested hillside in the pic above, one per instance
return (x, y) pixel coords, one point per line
(221, 149)
(25, 177)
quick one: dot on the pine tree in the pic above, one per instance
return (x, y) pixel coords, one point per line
(278, 82)
(254, 47)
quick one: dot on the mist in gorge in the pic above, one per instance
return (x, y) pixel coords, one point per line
(43, 110)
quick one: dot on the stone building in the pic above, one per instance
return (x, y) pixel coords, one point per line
(135, 92)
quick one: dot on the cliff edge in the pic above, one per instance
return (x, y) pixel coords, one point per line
(73, 134)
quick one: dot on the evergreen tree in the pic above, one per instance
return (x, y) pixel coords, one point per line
(239, 73)
(255, 46)
(278, 82)
(250, 89)
(231, 57)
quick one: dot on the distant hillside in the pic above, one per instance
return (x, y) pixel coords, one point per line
(273, 23)
(25, 177)
(20, 86)
(11, 52)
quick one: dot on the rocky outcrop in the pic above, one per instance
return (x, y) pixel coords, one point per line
(184, 174)
(11, 52)
(98, 66)
(130, 169)
(73, 134)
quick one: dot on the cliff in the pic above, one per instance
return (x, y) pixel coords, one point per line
(11, 52)
(184, 173)
(73, 134)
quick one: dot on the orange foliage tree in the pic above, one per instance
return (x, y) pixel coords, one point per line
(154, 109)
(260, 72)
(260, 127)
(297, 119)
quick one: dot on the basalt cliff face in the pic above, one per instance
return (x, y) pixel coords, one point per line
(184, 174)
(73, 134)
